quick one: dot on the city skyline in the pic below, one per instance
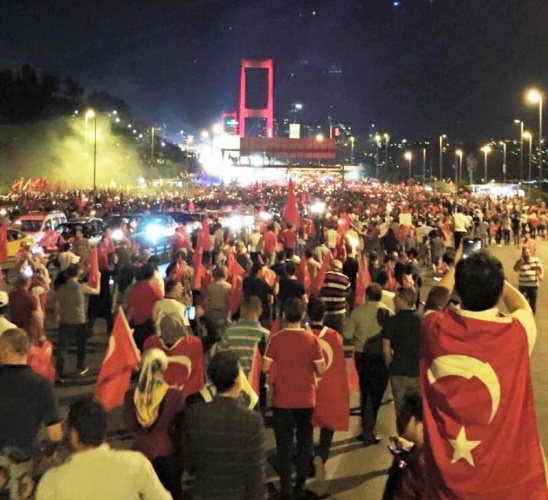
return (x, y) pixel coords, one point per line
(417, 69)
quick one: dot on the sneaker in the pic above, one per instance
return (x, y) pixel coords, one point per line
(319, 467)
(83, 371)
(59, 380)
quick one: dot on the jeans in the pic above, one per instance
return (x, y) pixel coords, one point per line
(459, 235)
(530, 293)
(402, 385)
(326, 438)
(286, 422)
(373, 381)
(73, 333)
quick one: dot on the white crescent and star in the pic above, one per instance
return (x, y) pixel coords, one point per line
(467, 367)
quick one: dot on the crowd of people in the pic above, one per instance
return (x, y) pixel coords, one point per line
(241, 323)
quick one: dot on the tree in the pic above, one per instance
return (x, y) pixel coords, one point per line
(72, 88)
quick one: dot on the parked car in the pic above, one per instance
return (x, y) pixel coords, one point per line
(35, 224)
(92, 228)
(16, 239)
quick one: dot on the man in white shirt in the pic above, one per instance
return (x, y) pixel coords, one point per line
(94, 470)
(4, 323)
(460, 224)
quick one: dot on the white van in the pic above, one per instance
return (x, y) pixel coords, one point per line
(35, 224)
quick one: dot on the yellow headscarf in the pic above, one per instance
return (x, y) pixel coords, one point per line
(151, 388)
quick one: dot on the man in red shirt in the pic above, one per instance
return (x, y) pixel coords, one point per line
(294, 358)
(270, 242)
(289, 239)
(141, 300)
(24, 309)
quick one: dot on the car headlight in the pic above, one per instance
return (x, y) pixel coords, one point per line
(153, 233)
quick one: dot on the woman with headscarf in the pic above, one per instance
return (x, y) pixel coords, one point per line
(152, 411)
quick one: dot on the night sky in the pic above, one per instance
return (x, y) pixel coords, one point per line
(416, 70)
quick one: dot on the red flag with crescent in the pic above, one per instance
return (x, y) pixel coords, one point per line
(185, 369)
(317, 282)
(237, 290)
(290, 211)
(199, 269)
(93, 267)
(363, 280)
(254, 375)
(121, 358)
(305, 274)
(481, 435)
(332, 397)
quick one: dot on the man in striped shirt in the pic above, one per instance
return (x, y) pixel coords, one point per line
(243, 337)
(334, 293)
(531, 273)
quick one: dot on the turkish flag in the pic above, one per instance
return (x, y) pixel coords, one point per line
(230, 260)
(363, 280)
(290, 211)
(481, 438)
(39, 359)
(199, 269)
(16, 184)
(332, 397)
(236, 291)
(317, 282)
(93, 267)
(121, 359)
(4, 240)
(305, 274)
(254, 375)
(185, 369)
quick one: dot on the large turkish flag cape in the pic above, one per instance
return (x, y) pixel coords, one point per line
(481, 436)
(332, 397)
(185, 369)
(121, 358)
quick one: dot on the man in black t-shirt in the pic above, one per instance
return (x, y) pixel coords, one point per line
(290, 286)
(256, 286)
(26, 403)
(401, 337)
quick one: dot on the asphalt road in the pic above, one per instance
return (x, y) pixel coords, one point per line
(353, 472)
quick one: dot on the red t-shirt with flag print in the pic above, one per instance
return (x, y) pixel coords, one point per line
(294, 354)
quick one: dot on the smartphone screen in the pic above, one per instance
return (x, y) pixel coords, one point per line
(469, 246)
(190, 313)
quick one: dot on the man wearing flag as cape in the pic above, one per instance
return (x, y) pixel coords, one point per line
(481, 436)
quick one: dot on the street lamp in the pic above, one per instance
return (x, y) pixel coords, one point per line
(423, 166)
(442, 137)
(409, 157)
(90, 113)
(296, 108)
(387, 139)
(378, 142)
(458, 166)
(204, 134)
(352, 139)
(529, 137)
(534, 96)
(503, 144)
(217, 128)
(486, 150)
(520, 123)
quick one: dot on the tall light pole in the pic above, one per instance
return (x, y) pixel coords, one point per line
(486, 150)
(458, 166)
(534, 96)
(152, 147)
(90, 113)
(503, 144)
(296, 108)
(520, 123)
(352, 139)
(378, 142)
(423, 166)
(442, 137)
(387, 139)
(319, 138)
(529, 137)
(409, 157)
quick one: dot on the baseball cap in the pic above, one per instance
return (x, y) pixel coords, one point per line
(4, 299)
